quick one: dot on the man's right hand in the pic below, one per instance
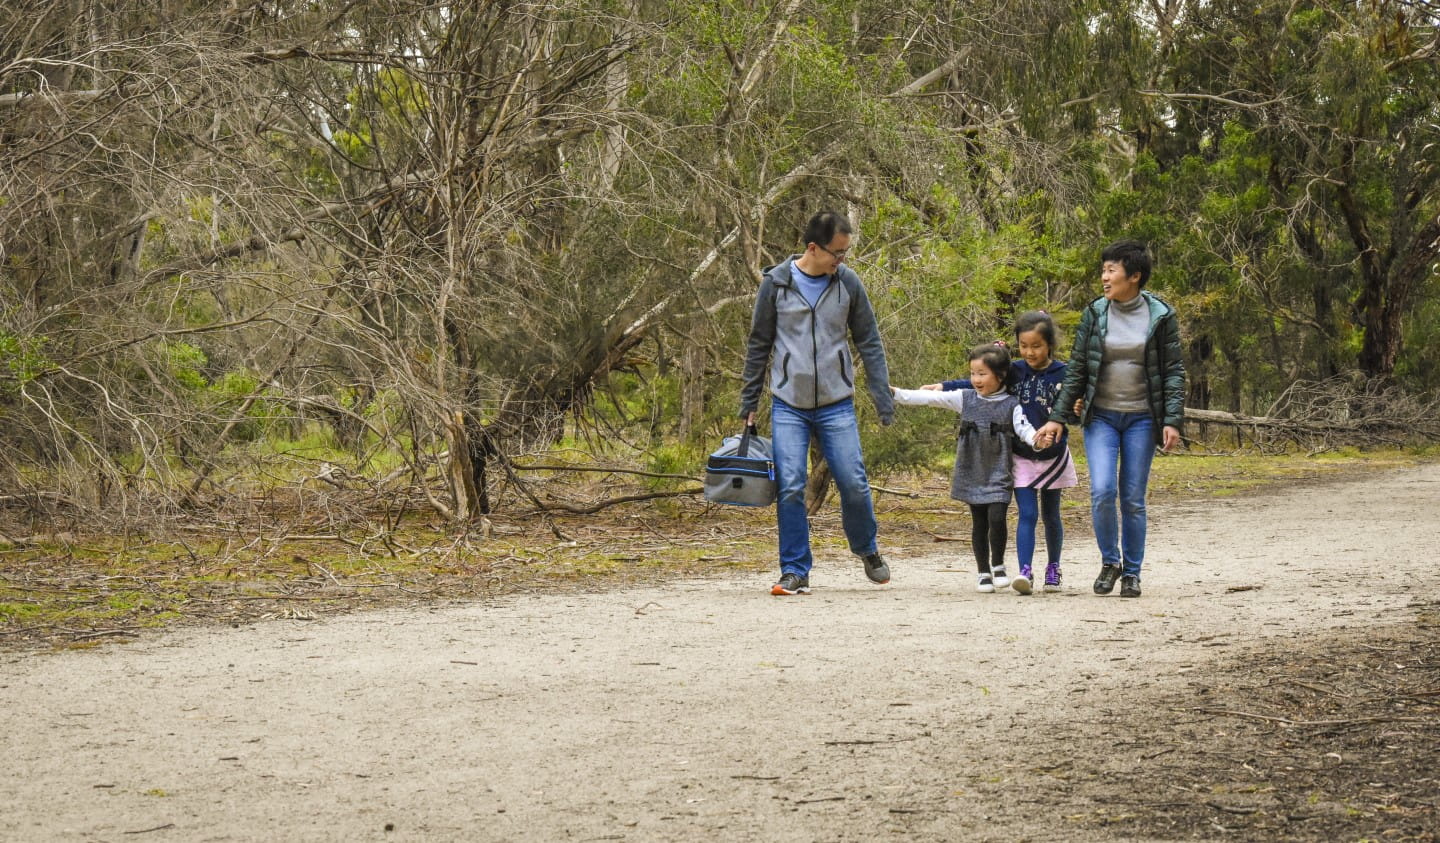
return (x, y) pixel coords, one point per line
(750, 420)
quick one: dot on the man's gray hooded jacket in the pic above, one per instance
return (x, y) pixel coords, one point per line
(807, 348)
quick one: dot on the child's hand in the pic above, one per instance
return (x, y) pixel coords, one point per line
(933, 387)
(894, 391)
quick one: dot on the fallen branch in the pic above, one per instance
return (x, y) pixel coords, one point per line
(1311, 426)
(101, 633)
(901, 492)
(30, 498)
(1288, 723)
(607, 470)
(1233, 810)
(596, 507)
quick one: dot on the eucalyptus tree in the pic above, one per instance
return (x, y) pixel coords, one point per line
(1298, 145)
(131, 169)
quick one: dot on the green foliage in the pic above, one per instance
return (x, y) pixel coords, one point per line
(21, 358)
(686, 458)
(383, 110)
(184, 363)
(477, 221)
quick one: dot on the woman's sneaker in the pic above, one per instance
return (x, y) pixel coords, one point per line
(986, 584)
(1105, 583)
(1022, 582)
(1130, 586)
(1052, 576)
(1002, 579)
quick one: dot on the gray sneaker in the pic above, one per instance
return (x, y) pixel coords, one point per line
(876, 569)
(791, 584)
(1105, 583)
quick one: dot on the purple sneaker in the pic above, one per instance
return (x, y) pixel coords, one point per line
(1052, 576)
(1023, 582)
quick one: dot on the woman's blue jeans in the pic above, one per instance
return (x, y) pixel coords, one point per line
(838, 433)
(1119, 448)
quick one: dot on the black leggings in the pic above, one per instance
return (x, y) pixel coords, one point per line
(987, 534)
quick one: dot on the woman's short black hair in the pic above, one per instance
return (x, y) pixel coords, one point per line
(1040, 322)
(1130, 254)
(823, 227)
(996, 358)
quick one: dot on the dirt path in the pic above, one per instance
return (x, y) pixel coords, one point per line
(707, 710)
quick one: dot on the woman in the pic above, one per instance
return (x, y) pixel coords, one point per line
(1127, 372)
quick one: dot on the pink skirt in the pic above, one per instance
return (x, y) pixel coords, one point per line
(1057, 473)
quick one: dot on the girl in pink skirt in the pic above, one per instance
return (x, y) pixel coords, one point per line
(1040, 474)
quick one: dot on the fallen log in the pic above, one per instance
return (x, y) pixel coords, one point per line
(1376, 422)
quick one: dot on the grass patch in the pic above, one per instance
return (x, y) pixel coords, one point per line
(79, 590)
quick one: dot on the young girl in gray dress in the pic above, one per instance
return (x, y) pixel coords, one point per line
(990, 419)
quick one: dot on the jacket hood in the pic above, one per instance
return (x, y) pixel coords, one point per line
(780, 276)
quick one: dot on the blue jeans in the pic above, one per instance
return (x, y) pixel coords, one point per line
(1119, 448)
(1033, 503)
(835, 427)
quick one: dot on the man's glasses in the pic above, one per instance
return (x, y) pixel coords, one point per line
(839, 256)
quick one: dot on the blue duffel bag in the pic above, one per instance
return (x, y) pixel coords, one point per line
(741, 472)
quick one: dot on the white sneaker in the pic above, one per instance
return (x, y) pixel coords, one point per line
(1001, 579)
(986, 585)
(1021, 584)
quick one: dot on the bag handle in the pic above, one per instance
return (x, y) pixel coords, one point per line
(750, 430)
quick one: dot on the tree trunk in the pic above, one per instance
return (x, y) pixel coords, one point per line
(817, 487)
(692, 390)
(1387, 298)
(1381, 344)
(1202, 351)
(459, 469)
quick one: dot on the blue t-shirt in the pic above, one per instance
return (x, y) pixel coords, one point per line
(811, 286)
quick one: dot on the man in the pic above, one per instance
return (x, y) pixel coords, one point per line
(807, 309)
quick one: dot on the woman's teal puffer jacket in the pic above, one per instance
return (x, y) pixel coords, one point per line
(1164, 365)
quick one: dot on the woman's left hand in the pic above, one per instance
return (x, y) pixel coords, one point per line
(1169, 438)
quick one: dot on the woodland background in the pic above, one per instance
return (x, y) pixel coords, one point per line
(415, 251)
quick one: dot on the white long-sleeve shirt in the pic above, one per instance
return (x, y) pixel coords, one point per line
(955, 400)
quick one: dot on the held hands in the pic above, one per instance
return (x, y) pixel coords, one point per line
(1048, 434)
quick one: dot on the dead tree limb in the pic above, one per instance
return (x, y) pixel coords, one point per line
(596, 507)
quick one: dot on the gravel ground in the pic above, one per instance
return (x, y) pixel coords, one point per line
(920, 710)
